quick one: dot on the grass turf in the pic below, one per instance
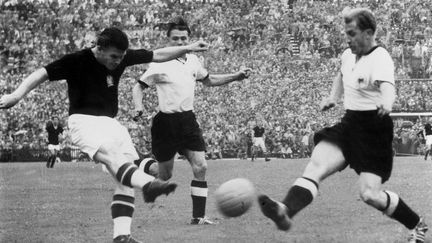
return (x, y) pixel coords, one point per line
(71, 203)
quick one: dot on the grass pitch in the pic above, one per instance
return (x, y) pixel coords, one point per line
(71, 203)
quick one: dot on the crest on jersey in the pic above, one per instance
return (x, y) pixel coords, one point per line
(110, 81)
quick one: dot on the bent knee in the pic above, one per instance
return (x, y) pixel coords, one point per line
(200, 167)
(369, 196)
(165, 175)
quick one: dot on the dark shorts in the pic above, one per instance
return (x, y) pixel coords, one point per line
(365, 140)
(175, 132)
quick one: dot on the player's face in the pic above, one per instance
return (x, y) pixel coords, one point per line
(358, 40)
(111, 57)
(178, 38)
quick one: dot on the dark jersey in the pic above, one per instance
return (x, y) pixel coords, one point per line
(92, 88)
(53, 133)
(428, 129)
(258, 131)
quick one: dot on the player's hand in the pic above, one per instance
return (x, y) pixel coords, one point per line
(7, 101)
(138, 114)
(199, 46)
(244, 73)
(384, 109)
(327, 103)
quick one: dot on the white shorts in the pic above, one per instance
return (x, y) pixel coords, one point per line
(259, 142)
(90, 132)
(52, 147)
(428, 140)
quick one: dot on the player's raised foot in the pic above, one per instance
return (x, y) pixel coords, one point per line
(157, 187)
(125, 239)
(202, 221)
(276, 211)
(417, 235)
(267, 159)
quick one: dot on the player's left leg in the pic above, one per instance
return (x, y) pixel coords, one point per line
(55, 156)
(122, 209)
(264, 149)
(391, 204)
(327, 158)
(199, 189)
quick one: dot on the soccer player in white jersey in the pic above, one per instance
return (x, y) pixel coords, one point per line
(93, 76)
(361, 140)
(175, 128)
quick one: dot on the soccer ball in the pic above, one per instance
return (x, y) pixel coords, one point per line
(235, 197)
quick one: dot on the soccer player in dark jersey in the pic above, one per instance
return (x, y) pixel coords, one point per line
(175, 128)
(258, 140)
(363, 138)
(54, 129)
(93, 77)
(427, 133)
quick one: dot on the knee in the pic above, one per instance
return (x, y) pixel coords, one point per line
(108, 154)
(199, 167)
(369, 196)
(164, 175)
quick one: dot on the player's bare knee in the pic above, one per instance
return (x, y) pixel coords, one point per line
(369, 196)
(164, 175)
(199, 169)
(108, 155)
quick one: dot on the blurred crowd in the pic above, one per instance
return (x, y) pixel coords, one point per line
(292, 46)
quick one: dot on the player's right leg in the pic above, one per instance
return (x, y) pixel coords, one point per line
(51, 156)
(122, 209)
(199, 188)
(327, 158)
(127, 173)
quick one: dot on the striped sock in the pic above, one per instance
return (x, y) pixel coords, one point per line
(300, 195)
(122, 208)
(130, 176)
(199, 193)
(397, 209)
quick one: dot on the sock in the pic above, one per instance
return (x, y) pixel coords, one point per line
(300, 195)
(199, 193)
(122, 209)
(52, 161)
(130, 176)
(397, 209)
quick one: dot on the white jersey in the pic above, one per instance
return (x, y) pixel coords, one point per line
(360, 78)
(175, 82)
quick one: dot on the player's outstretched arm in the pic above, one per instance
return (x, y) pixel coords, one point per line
(29, 83)
(335, 94)
(221, 79)
(172, 52)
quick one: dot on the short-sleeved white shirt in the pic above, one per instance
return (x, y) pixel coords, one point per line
(361, 78)
(175, 82)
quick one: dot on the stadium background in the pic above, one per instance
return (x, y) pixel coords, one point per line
(292, 46)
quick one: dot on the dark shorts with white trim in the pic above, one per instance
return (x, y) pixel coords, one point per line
(365, 140)
(172, 133)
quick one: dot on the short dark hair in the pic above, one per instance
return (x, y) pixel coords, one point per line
(363, 17)
(177, 23)
(114, 37)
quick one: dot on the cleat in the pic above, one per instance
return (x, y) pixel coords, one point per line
(156, 188)
(202, 221)
(125, 239)
(267, 159)
(276, 211)
(417, 235)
